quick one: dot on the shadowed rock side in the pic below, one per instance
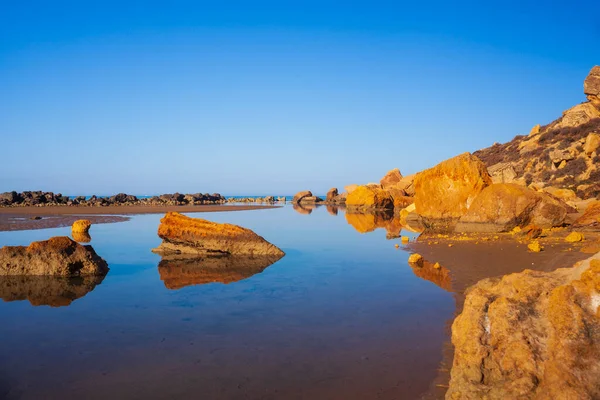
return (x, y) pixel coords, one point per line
(53, 291)
(177, 271)
(530, 335)
(185, 235)
(444, 193)
(59, 256)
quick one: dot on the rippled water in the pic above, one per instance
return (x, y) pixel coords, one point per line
(341, 316)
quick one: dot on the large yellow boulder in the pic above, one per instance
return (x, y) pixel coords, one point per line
(503, 206)
(81, 226)
(369, 197)
(446, 191)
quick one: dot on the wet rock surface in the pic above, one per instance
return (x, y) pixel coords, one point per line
(185, 235)
(58, 256)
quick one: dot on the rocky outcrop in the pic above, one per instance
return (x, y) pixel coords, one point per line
(391, 179)
(530, 335)
(305, 196)
(504, 206)
(445, 192)
(331, 195)
(81, 237)
(590, 218)
(40, 198)
(58, 256)
(185, 235)
(369, 197)
(591, 86)
(177, 272)
(53, 291)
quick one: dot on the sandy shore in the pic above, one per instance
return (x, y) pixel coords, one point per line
(20, 218)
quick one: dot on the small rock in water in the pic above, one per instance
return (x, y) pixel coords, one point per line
(416, 259)
(396, 245)
(405, 239)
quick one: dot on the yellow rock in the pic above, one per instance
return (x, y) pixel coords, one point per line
(535, 130)
(450, 245)
(405, 239)
(369, 197)
(437, 265)
(574, 237)
(535, 246)
(516, 229)
(81, 226)
(396, 245)
(416, 259)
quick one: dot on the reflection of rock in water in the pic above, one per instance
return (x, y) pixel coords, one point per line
(51, 291)
(81, 237)
(304, 208)
(368, 222)
(178, 271)
(333, 209)
(440, 276)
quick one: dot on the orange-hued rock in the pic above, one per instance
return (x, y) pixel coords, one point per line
(301, 195)
(350, 188)
(590, 218)
(530, 335)
(59, 256)
(369, 197)
(81, 226)
(444, 193)
(331, 195)
(503, 206)
(391, 179)
(81, 237)
(177, 271)
(185, 235)
(53, 291)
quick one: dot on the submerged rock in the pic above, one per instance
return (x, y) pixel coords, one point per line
(54, 291)
(177, 271)
(530, 335)
(185, 235)
(444, 193)
(57, 256)
(504, 206)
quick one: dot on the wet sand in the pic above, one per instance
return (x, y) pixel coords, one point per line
(20, 218)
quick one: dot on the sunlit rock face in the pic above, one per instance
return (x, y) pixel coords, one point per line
(185, 235)
(178, 271)
(530, 335)
(59, 256)
(369, 197)
(47, 290)
(81, 237)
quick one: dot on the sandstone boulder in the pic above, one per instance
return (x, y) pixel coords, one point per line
(300, 195)
(350, 188)
(592, 143)
(504, 206)
(502, 173)
(530, 335)
(591, 86)
(391, 179)
(81, 226)
(59, 256)
(369, 198)
(590, 218)
(185, 235)
(445, 192)
(331, 195)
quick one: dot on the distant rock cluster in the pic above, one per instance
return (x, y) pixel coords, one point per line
(39, 198)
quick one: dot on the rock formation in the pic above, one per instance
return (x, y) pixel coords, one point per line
(179, 271)
(81, 237)
(590, 218)
(504, 206)
(391, 179)
(530, 335)
(369, 197)
(564, 154)
(445, 192)
(81, 226)
(185, 235)
(59, 256)
(331, 195)
(301, 195)
(53, 291)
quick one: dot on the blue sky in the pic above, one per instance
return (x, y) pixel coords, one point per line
(274, 97)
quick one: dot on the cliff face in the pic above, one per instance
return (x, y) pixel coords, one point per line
(563, 154)
(530, 335)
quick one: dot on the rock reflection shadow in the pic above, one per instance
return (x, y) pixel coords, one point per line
(368, 222)
(51, 291)
(304, 208)
(178, 271)
(81, 237)
(440, 275)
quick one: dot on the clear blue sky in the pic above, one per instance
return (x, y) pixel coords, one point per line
(274, 97)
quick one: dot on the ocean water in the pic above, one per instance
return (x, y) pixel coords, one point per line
(340, 316)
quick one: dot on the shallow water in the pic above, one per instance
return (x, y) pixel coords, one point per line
(341, 316)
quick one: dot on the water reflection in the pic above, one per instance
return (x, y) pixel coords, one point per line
(177, 271)
(304, 208)
(368, 222)
(46, 290)
(435, 273)
(81, 237)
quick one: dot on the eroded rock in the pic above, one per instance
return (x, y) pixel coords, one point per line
(185, 235)
(369, 197)
(59, 256)
(530, 335)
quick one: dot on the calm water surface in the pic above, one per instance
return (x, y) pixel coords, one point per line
(341, 316)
